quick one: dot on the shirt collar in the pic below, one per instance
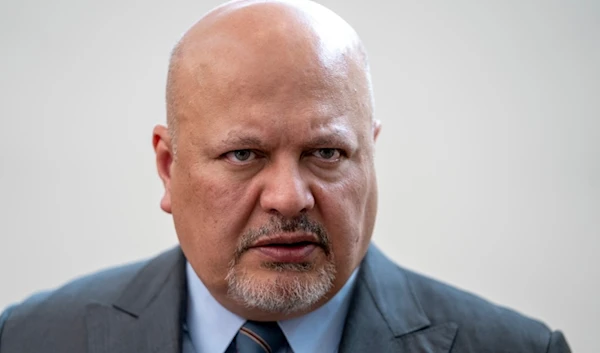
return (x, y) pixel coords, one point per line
(317, 331)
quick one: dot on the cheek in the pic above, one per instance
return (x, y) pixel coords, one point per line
(343, 206)
(209, 214)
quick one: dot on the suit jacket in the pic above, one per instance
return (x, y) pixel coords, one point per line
(141, 307)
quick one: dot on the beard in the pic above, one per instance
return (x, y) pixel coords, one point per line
(296, 288)
(292, 287)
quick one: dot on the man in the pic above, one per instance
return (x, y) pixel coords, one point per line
(268, 169)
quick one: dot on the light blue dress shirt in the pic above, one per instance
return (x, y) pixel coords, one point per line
(211, 327)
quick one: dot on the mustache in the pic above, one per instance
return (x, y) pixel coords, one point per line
(282, 225)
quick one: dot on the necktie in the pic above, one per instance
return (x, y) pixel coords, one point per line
(259, 337)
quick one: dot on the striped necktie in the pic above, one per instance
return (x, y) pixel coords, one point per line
(260, 337)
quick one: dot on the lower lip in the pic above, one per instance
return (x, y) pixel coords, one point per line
(298, 253)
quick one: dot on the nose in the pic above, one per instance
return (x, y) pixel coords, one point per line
(285, 192)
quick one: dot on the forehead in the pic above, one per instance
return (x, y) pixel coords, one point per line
(240, 71)
(267, 124)
(277, 112)
(252, 92)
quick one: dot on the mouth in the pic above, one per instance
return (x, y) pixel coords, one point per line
(288, 247)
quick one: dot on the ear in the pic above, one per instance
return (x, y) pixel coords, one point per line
(161, 140)
(376, 129)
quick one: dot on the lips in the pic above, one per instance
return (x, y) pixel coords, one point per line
(289, 239)
(287, 247)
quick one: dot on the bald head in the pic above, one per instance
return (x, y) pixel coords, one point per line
(264, 46)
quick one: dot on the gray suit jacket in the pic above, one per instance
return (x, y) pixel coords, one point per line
(141, 307)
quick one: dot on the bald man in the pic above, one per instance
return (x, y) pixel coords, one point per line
(267, 162)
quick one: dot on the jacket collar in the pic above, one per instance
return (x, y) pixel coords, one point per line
(147, 316)
(386, 315)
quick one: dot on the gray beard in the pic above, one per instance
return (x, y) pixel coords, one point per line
(293, 287)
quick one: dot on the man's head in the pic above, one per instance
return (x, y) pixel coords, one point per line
(267, 160)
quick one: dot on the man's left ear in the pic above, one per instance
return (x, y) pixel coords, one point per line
(376, 129)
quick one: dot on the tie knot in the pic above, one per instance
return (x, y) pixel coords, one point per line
(260, 337)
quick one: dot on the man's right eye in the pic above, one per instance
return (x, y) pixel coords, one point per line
(240, 156)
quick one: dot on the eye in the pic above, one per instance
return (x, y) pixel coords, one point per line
(240, 156)
(327, 154)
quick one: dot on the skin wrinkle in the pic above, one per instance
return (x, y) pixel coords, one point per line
(279, 79)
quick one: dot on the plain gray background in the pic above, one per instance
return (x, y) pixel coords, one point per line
(488, 163)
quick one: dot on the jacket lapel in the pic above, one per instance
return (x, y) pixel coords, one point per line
(148, 315)
(385, 315)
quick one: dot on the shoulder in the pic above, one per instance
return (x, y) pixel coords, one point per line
(481, 323)
(481, 326)
(103, 286)
(62, 311)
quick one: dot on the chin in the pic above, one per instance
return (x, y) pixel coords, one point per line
(281, 287)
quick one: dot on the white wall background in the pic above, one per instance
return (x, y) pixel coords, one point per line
(489, 161)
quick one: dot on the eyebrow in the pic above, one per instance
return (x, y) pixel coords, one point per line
(236, 140)
(335, 138)
(330, 139)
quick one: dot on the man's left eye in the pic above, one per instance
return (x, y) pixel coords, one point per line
(329, 154)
